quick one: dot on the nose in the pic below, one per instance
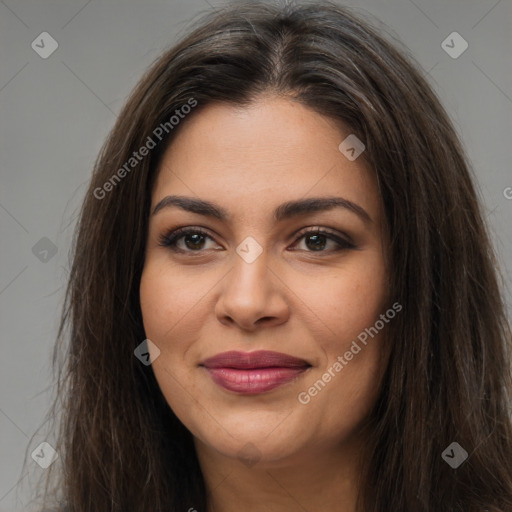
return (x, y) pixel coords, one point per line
(252, 296)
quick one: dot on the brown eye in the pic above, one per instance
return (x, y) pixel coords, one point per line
(317, 241)
(194, 240)
(185, 240)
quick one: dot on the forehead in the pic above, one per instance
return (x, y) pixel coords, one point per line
(259, 155)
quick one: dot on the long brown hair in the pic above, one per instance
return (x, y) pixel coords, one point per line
(448, 379)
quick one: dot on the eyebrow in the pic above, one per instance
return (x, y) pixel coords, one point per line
(282, 212)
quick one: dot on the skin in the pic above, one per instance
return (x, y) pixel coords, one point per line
(294, 299)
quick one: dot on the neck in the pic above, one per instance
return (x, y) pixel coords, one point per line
(316, 479)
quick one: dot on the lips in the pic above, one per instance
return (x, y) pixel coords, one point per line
(259, 359)
(254, 372)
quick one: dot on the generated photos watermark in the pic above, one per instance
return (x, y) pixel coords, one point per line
(137, 156)
(454, 455)
(304, 397)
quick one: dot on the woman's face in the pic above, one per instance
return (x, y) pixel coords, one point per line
(257, 277)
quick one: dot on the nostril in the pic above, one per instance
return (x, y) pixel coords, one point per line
(264, 320)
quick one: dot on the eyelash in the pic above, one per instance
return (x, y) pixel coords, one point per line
(171, 238)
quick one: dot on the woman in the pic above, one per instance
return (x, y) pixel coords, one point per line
(283, 295)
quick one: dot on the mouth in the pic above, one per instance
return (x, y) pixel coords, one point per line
(254, 372)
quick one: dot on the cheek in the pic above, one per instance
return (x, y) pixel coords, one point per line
(350, 305)
(351, 300)
(153, 303)
(165, 298)
(165, 301)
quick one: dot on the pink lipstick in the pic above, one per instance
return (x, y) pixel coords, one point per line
(253, 372)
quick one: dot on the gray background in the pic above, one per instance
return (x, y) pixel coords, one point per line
(56, 112)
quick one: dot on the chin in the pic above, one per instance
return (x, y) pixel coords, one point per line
(267, 443)
(254, 452)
